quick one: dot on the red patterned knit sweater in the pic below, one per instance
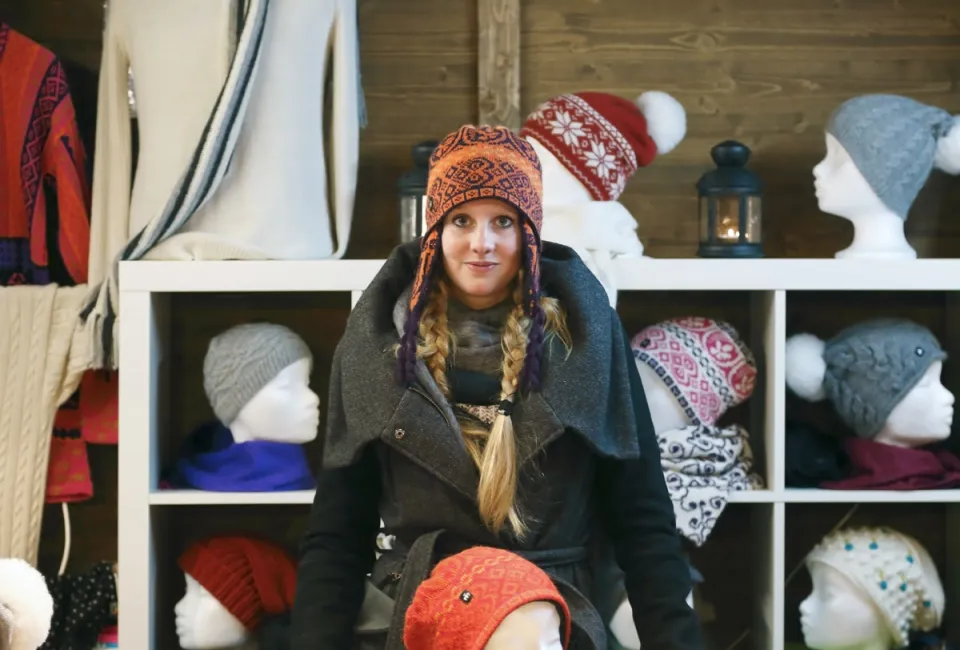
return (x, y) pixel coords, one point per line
(44, 218)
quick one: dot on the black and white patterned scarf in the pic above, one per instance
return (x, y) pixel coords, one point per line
(702, 465)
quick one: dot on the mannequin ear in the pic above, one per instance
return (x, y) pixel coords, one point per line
(7, 626)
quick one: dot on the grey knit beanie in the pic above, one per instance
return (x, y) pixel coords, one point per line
(244, 359)
(865, 370)
(895, 142)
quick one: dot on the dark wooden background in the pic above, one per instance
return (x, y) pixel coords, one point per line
(766, 72)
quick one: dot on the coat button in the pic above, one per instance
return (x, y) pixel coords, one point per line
(399, 434)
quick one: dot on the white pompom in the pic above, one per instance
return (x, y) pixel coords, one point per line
(666, 119)
(805, 366)
(27, 603)
(948, 149)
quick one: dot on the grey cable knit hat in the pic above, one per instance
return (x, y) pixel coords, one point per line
(865, 370)
(244, 359)
(895, 143)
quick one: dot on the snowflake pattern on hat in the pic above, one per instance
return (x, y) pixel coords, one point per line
(703, 362)
(586, 143)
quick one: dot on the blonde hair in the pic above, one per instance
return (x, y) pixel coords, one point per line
(494, 451)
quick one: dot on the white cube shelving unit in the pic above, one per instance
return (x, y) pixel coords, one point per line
(766, 287)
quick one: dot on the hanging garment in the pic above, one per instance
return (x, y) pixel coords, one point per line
(218, 201)
(41, 364)
(44, 223)
(702, 465)
(82, 607)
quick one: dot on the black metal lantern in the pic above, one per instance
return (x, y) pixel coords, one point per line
(730, 205)
(411, 192)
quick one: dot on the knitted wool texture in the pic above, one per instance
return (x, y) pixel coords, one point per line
(468, 595)
(249, 577)
(481, 162)
(871, 366)
(703, 362)
(603, 139)
(893, 142)
(244, 359)
(893, 570)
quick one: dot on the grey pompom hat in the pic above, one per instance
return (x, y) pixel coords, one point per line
(244, 359)
(865, 370)
(895, 142)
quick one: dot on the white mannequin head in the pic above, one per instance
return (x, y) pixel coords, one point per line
(665, 410)
(882, 377)
(924, 416)
(533, 626)
(257, 378)
(842, 190)
(837, 615)
(560, 186)
(202, 623)
(284, 410)
(871, 588)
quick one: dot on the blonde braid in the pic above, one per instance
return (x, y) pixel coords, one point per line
(494, 451)
(436, 340)
(497, 492)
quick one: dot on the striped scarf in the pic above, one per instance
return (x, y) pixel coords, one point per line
(199, 181)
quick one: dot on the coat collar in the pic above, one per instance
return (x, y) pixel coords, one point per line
(587, 392)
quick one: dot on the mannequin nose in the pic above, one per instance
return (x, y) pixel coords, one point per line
(805, 607)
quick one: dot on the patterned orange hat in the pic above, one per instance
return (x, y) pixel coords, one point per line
(480, 162)
(468, 595)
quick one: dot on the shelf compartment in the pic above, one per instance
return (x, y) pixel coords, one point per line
(933, 525)
(757, 316)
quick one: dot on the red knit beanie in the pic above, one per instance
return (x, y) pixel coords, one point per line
(479, 162)
(603, 139)
(468, 595)
(249, 577)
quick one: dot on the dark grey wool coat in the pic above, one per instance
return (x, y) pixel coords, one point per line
(590, 477)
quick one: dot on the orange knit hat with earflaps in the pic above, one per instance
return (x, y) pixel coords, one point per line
(481, 162)
(468, 595)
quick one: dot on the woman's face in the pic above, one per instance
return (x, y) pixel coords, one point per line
(481, 251)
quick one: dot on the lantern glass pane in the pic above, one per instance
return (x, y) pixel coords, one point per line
(754, 218)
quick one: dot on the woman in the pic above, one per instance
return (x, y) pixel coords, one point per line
(484, 393)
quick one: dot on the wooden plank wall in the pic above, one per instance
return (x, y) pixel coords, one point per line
(766, 72)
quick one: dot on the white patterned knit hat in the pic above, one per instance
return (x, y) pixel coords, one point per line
(894, 570)
(703, 362)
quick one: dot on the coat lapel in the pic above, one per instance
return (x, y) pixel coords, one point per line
(420, 431)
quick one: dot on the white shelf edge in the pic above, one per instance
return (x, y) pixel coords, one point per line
(202, 498)
(693, 274)
(789, 495)
(802, 495)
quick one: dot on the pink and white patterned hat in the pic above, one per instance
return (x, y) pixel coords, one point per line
(702, 361)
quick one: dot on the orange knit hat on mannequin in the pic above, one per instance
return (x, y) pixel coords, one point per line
(468, 596)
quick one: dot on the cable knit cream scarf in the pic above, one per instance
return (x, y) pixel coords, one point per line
(41, 363)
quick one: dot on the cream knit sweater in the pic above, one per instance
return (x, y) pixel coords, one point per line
(42, 360)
